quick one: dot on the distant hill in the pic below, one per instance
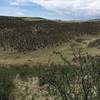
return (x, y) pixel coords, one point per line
(31, 33)
(32, 18)
(21, 18)
(94, 20)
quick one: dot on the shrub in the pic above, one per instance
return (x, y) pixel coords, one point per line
(78, 81)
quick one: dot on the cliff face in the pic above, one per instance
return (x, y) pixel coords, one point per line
(24, 34)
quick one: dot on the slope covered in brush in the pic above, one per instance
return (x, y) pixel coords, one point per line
(24, 33)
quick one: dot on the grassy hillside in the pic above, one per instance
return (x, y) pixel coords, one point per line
(24, 34)
(68, 71)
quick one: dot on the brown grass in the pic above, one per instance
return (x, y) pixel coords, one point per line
(45, 55)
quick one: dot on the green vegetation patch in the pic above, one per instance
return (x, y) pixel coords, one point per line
(77, 80)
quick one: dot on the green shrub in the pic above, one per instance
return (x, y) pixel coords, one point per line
(8, 74)
(74, 81)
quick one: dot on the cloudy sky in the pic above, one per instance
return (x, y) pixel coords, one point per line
(53, 9)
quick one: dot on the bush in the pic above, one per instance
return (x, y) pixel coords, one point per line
(78, 81)
(8, 74)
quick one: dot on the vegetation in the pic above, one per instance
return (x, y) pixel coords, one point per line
(95, 43)
(78, 80)
(74, 79)
(21, 34)
(7, 75)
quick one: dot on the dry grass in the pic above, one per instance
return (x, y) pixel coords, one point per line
(43, 56)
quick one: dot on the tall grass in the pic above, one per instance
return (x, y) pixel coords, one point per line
(7, 75)
(76, 80)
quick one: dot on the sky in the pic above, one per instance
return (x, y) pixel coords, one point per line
(52, 9)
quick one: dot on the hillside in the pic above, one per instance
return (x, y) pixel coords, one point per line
(24, 33)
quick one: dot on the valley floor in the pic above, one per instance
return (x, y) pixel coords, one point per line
(46, 55)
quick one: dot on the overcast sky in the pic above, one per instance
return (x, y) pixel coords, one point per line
(53, 9)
